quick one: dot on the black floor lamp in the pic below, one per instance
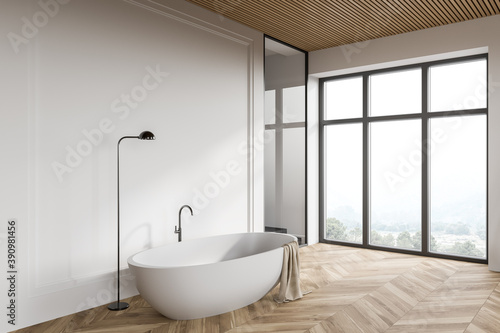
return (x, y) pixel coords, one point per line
(146, 135)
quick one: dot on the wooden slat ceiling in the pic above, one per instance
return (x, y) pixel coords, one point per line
(317, 24)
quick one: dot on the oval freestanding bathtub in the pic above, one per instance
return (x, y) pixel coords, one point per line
(208, 276)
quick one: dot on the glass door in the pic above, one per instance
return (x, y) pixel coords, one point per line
(285, 139)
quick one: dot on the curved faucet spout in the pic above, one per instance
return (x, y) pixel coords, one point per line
(179, 230)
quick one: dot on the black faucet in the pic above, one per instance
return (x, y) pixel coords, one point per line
(179, 230)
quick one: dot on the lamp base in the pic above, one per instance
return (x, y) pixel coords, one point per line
(118, 306)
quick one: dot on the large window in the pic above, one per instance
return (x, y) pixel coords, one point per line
(403, 158)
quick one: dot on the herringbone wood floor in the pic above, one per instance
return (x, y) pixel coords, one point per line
(353, 290)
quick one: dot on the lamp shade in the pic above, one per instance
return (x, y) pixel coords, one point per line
(146, 135)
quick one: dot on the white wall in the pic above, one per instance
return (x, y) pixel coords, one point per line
(78, 75)
(472, 37)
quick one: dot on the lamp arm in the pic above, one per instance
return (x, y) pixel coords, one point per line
(127, 137)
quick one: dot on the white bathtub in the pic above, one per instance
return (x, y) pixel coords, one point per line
(208, 276)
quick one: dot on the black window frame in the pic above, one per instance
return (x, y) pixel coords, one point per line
(425, 115)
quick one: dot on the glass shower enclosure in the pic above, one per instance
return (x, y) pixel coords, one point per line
(285, 139)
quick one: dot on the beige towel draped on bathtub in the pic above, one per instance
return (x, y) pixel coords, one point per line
(290, 275)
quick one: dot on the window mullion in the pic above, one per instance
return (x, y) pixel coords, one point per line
(425, 162)
(322, 174)
(366, 163)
